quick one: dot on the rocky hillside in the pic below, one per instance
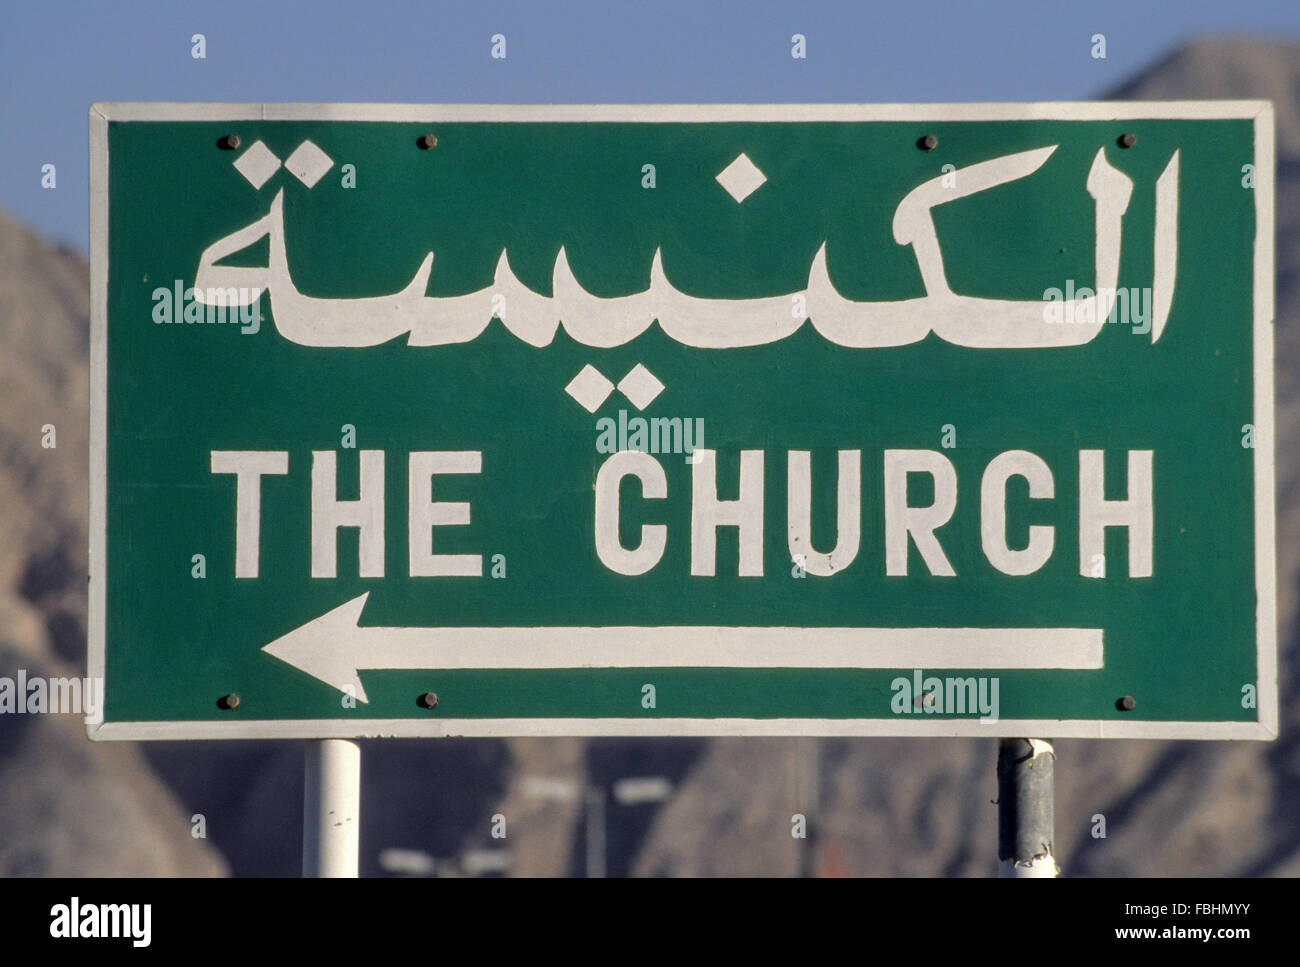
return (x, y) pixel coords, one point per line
(70, 807)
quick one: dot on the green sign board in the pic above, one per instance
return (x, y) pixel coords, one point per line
(683, 420)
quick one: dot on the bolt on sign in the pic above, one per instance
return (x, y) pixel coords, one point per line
(683, 420)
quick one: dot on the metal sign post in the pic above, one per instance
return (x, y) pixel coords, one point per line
(1026, 809)
(331, 813)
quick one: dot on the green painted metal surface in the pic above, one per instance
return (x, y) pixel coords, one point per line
(1184, 641)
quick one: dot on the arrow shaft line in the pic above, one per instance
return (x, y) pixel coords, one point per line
(725, 647)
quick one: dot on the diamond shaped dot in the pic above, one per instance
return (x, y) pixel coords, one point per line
(309, 163)
(640, 386)
(257, 164)
(741, 178)
(590, 388)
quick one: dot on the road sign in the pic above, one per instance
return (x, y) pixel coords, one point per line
(825, 420)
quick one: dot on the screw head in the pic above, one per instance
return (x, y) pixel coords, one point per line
(228, 142)
(1127, 140)
(927, 143)
(228, 702)
(427, 700)
(1127, 704)
(427, 142)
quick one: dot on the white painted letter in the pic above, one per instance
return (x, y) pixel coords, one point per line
(654, 537)
(920, 522)
(848, 515)
(425, 513)
(328, 514)
(248, 466)
(708, 513)
(1096, 513)
(993, 512)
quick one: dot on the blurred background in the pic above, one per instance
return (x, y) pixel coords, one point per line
(671, 807)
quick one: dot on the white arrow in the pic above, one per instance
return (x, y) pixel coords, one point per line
(335, 648)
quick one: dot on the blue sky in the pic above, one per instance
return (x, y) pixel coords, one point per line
(56, 58)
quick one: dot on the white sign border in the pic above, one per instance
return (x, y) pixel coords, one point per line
(1258, 111)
